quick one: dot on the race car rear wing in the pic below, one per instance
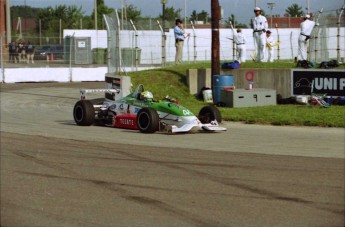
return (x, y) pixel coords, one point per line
(83, 92)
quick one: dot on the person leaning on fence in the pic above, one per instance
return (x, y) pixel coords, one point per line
(30, 51)
(270, 42)
(21, 50)
(240, 41)
(179, 40)
(306, 28)
(260, 26)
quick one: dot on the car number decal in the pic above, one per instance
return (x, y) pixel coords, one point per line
(186, 112)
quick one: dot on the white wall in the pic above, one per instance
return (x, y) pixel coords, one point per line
(56, 74)
(150, 43)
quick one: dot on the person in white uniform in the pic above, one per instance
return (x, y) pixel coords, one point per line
(260, 26)
(270, 43)
(240, 41)
(306, 29)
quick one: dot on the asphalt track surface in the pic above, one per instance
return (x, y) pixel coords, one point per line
(54, 173)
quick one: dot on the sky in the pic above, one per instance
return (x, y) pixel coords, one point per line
(242, 9)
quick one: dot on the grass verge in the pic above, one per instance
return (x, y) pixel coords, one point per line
(172, 81)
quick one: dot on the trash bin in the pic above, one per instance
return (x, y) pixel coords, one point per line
(98, 55)
(219, 83)
(130, 56)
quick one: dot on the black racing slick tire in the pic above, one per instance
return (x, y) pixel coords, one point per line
(84, 113)
(208, 114)
(148, 120)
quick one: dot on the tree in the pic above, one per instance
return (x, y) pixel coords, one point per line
(101, 9)
(234, 22)
(50, 19)
(294, 11)
(131, 12)
(194, 16)
(170, 14)
(203, 15)
(24, 12)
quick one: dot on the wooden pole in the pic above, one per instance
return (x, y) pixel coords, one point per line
(215, 15)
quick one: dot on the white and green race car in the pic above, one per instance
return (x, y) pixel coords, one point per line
(139, 110)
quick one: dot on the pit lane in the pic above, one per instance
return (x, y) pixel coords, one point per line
(55, 172)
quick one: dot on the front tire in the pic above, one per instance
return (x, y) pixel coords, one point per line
(84, 113)
(148, 120)
(208, 114)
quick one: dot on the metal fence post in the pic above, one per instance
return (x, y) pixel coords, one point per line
(163, 45)
(70, 57)
(136, 45)
(2, 61)
(338, 33)
(194, 39)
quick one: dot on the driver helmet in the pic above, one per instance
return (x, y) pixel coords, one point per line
(146, 95)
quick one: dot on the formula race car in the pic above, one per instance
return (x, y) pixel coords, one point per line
(140, 111)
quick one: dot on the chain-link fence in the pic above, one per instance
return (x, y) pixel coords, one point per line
(143, 44)
(328, 36)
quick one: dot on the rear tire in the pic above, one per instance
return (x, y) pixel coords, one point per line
(208, 114)
(148, 120)
(84, 113)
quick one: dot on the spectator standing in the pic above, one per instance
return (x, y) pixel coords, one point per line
(180, 35)
(13, 50)
(21, 50)
(270, 43)
(260, 26)
(30, 51)
(306, 28)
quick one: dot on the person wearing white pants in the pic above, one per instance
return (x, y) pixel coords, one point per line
(270, 42)
(306, 29)
(240, 41)
(260, 26)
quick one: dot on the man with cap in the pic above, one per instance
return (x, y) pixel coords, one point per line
(240, 41)
(306, 28)
(179, 39)
(270, 43)
(260, 26)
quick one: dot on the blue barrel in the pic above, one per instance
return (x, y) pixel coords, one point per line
(219, 83)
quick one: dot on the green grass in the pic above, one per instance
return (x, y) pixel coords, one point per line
(282, 64)
(172, 81)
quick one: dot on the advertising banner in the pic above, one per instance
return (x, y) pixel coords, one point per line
(307, 81)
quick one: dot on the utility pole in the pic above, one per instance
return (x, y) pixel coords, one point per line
(8, 22)
(215, 15)
(271, 6)
(308, 7)
(163, 13)
(185, 13)
(95, 14)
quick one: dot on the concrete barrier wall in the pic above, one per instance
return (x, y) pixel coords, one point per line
(13, 75)
(56, 74)
(277, 79)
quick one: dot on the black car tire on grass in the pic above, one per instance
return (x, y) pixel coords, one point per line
(84, 113)
(148, 120)
(208, 114)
